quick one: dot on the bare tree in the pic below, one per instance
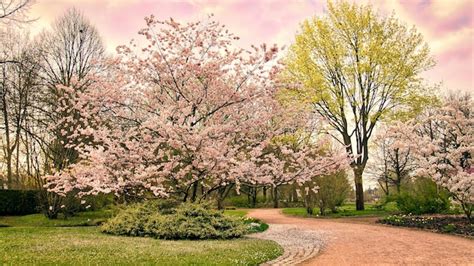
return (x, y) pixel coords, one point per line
(72, 50)
(390, 165)
(14, 10)
(17, 82)
(71, 54)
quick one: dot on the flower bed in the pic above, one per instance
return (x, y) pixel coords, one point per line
(442, 224)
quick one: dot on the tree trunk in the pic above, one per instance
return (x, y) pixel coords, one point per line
(195, 189)
(220, 198)
(308, 202)
(322, 208)
(359, 189)
(264, 192)
(254, 197)
(294, 194)
(222, 194)
(275, 197)
(8, 153)
(9, 170)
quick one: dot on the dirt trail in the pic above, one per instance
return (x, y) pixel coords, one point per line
(348, 242)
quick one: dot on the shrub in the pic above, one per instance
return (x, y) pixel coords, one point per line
(129, 221)
(242, 201)
(332, 191)
(423, 196)
(19, 202)
(186, 221)
(449, 228)
(254, 225)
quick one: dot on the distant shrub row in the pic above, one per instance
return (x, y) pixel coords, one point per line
(19, 202)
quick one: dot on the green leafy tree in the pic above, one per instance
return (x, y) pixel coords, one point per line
(355, 67)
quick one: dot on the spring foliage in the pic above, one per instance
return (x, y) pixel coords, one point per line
(187, 109)
(353, 67)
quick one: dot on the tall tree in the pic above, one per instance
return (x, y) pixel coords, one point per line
(72, 54)
(18, 80)
(353, 67)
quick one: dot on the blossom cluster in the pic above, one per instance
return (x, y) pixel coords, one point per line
(187, 108)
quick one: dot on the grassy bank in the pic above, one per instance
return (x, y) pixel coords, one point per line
(347, 210)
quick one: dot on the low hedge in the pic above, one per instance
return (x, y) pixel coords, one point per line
(19, 202)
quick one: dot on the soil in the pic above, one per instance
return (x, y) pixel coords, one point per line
(362, 242)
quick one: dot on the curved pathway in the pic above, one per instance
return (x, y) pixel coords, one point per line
(299, 244)
(346, 242)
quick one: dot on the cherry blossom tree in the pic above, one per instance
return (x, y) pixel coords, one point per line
(393, 160)
(187, 115)
(445, 149)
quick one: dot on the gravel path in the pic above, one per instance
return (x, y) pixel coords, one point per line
(348, 242)
(299, 245)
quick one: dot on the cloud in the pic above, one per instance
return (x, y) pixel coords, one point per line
(446, 25)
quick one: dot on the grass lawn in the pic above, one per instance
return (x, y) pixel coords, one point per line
(86, 245)
(33, 239)
(81, 219)
(236, 212)
(347, 210)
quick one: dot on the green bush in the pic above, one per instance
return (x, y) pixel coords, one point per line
(186, 221)
(449, 228)
(254, 225)
(19, 202)
(333, 190)
(242, 201)
(423, 196)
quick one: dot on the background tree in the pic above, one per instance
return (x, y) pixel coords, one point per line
(67, 55)
(14, 10)
(445, 139)
(18, 83)
(326, 192)
(355, 67)
(393, 160)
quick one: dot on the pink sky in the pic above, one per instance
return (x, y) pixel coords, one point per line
(447, 25)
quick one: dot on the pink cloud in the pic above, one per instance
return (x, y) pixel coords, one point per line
(448, 26)
(425, 13)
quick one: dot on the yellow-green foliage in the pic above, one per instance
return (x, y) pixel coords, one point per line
(354, 58)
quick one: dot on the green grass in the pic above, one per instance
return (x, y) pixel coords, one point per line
(81, 219)
(34, 239)
(347, 210)
(86, 245)
(237, 212)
